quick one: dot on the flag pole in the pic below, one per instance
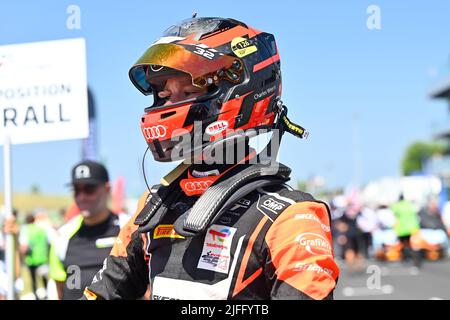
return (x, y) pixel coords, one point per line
(10, 238)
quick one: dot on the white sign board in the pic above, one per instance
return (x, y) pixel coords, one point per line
(43, 91)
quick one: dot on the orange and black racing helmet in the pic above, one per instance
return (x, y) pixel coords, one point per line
(238, 68)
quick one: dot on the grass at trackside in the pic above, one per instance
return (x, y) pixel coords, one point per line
(30, 201)
(26, 202)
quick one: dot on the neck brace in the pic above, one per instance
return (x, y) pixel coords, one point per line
(220, 196)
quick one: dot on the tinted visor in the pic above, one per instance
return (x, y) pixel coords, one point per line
(205, 67)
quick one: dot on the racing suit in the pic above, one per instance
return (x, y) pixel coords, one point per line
(273, 243)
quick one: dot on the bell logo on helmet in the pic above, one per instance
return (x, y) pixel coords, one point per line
(216, 127)
(154, 132)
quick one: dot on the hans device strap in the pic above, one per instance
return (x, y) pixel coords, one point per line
(222, 195)
(234, 185)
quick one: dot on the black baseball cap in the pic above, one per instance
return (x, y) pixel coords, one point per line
(89, 172)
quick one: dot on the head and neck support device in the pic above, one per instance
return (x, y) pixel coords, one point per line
(219, 197)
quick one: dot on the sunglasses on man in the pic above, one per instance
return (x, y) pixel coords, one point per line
(88, 189)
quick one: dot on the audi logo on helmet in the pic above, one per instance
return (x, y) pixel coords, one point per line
(155, 132)
(198, 185)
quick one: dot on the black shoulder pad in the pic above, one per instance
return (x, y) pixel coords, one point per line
(296, 195)
(270, 205)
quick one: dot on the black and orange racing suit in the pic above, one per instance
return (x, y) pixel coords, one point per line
(274, 243)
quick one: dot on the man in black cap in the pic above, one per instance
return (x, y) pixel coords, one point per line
(86, 240)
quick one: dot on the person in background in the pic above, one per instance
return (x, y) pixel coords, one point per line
(432, 227)
(10, 226)
(384, 234)
(367, 224)
(34, 247)
(406, 225)
(446, 216)
(430, 216)
(338, 226)
(352, 249)
(42, 219)
(83, 243)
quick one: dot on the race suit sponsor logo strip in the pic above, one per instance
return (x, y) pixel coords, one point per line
(196, 186)
(313, 217)
(270, 207)
(314, 243)
(312, 267)
(216, 253)
(183, 289)
(262, 211)
(276, 195)
(89, 295)
(166, 231)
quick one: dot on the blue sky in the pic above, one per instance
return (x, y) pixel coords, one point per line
(335, 70)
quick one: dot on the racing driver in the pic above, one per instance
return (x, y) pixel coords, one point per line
(223, 224)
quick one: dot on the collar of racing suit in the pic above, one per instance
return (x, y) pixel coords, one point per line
(229, 188)
(201, 177)
(201, 210)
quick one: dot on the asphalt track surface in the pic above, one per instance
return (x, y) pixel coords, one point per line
(395, 281)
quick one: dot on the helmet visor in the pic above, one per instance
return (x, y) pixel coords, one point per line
(204, 66)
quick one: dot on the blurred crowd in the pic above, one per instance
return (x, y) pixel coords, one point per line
(401, 231)
(57, 257)
(34, 233)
